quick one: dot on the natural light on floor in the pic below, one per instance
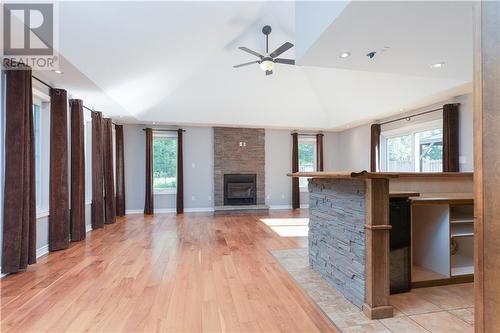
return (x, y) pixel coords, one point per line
(292, 227)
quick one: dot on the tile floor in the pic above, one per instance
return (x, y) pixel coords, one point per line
(446, 309)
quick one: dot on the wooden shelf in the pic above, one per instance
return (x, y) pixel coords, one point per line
(462, 220)
(420, 273)
(464, 234)
(462, 265)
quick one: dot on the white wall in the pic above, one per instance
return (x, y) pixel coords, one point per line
(353, 148)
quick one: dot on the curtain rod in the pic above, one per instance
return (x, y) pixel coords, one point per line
(164, 130)
(306, 134)
(410, 116)
(50, 87)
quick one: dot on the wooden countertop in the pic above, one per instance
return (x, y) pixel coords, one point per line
(443, 198)
(403, 194)
(365, 174)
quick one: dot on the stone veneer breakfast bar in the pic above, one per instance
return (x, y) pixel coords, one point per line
(349, 228)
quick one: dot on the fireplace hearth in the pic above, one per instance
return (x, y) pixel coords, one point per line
(240, 189)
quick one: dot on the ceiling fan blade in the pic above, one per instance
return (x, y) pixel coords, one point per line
(281, 49)
(246, 49)
(285, 61)
(246, 63)
(269, 72)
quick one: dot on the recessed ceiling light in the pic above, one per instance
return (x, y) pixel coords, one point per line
(344, 55)
(58, 71)
(438, 65)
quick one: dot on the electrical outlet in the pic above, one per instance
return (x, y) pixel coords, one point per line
(209, 198)
(268, 196)
(193, 165)
(193, 198)
(282, 195)
(462, 159)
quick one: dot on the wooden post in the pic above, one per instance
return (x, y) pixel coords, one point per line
(377, 289)
(486, 167)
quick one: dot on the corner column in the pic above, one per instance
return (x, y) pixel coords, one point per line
(486, 166)
(377, 229)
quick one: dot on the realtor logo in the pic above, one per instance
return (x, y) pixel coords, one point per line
(28, 35)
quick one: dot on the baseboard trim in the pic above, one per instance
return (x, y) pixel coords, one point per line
(171, 210)
(42, 251)
(199, 210)
(134, 211)
(278, 207)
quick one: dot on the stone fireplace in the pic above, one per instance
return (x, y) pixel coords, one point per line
(240, 189)
(239, 167)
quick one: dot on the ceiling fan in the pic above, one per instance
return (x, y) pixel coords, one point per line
(268, 60)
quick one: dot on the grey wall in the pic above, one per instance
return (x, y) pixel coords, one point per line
(353, 145)
(198, 170)
(279, 163)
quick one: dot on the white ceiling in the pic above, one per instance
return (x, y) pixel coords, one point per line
(171, 62)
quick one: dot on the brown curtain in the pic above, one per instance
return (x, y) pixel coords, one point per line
(180, 173)
(319, 152)
(120, 171)
(19, 210)
(148, 202)
(58, 186)
(109, 174)
(375, 148)
(450, 138)
(295, 168)
(98, 214)
(77, 212)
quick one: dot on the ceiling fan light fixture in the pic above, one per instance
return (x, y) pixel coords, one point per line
(267, 65)
(344, 55)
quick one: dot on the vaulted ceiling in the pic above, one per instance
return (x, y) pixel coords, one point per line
(171, 62)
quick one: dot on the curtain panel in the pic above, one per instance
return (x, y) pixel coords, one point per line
(19, 210)
(375, 148)
(180, 173)
(120, 171)
(108, 174)
(58, 180)
(77, 212)
(98, 214)
(148, 202)
(295, 168)
(319, 152)
(451, 138)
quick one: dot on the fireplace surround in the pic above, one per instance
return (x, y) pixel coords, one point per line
(239, 151)
(240, 189)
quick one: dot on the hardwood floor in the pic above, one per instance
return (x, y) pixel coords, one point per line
(191, 273)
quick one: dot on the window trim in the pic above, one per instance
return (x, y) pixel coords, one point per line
(168, 191)
(42, 99)
(309, 139)
(405, 130)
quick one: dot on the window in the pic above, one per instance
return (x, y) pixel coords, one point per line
(88, 155)
(38, 153)
(419, 149)
(41, 129)
(164, 163)
(307, 158)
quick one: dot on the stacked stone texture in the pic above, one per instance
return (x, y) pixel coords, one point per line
(231, 158)
(337, 235)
